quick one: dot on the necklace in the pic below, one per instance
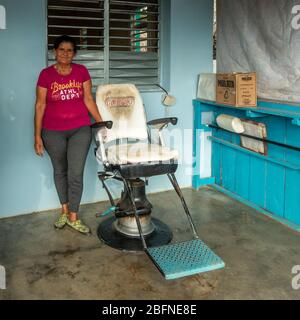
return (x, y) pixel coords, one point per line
(63, 72)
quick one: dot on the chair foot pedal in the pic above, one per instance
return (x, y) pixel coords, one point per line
(184, 259)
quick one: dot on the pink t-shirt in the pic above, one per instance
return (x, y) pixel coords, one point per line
(65, 108)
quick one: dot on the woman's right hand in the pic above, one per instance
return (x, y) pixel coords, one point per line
(38, 146)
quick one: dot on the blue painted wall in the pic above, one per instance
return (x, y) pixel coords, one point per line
(191, 54)
(26, 183)
(26, 180)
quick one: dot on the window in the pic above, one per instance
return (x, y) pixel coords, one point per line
(118, 40)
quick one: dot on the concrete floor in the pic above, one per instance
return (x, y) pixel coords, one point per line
(42, 263)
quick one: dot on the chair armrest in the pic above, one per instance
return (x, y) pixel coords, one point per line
(155, 136)
(102, 124)
(162, 122)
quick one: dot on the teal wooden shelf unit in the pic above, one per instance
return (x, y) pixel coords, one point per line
(268, 183)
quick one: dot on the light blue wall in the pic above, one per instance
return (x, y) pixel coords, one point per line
(26, 180)
(191, 54)
(26, 183)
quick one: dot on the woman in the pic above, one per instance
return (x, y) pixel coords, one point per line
(62, 125)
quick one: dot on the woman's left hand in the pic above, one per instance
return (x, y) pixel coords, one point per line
(89, 101)
(38, 146)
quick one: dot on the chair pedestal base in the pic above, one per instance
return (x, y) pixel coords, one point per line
(128, 226)
(126, 222)
(109, 234)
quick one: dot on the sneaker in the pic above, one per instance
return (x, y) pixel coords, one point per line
(61, 221)
(78, 226)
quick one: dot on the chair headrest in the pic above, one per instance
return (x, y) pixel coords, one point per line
(122, 104)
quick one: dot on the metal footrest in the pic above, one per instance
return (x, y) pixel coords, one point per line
(184, 259)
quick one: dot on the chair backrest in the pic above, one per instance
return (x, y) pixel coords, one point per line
(122, 104)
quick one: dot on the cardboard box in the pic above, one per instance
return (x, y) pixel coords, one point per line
(207, 86)
(237, 89)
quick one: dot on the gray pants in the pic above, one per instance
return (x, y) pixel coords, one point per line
(68, 151)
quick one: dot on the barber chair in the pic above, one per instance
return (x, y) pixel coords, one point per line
(131, 151)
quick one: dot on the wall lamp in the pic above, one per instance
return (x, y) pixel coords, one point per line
(166, 99)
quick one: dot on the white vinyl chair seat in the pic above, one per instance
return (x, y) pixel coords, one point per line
(139, 153)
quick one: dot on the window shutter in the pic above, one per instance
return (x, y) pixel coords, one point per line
(118, 40)
(83, 20)
(134, 42)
